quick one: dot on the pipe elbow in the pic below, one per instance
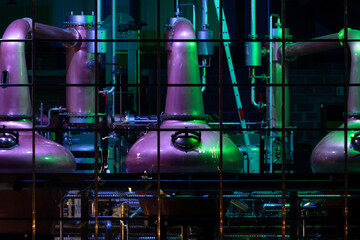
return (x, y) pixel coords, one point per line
(18, 29)
(183, 29)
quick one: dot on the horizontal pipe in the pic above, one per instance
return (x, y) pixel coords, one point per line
(43, 31)
(305, 48)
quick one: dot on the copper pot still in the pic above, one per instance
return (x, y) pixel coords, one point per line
(190, 147)
(329, 154)
(16, 141)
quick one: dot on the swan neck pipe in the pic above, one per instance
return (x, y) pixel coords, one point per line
(16, 100)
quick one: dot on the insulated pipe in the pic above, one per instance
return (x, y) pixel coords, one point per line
(305, 48)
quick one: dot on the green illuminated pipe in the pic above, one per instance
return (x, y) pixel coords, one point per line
(253, 19)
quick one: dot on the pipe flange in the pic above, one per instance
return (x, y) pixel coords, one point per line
(79, 20)
(78, 115)
(69, 24)
(77, 37)
(16, 116)
(185, 117)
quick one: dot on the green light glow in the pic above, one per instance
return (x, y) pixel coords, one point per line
(341, 35)
(322, 195)
(275, 205)
(253, 236)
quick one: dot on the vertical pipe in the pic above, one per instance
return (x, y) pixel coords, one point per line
(177, 9)
(253, 18)
(270, 97)
(42, 113)
(204, 14)
(194, 16)
(252, 74)
(203, 78)
(99, 11)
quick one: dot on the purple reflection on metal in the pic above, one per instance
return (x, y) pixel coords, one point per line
(204, 156)
(79, 99)
(329, 154)
(50, 157)
(15, 100)
(183, 68)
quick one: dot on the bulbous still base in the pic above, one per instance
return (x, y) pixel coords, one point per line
(329, 154)
(184, 151)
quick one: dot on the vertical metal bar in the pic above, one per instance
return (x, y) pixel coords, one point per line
(96, 123)
(283, 166)
(346, 86)
(270, 101)
(158, 77)
(113, 54)
(221, 110)
(33, 177)
(138, 74)
(61, 225)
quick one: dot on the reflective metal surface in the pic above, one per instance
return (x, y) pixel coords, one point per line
(49, 156)
(14, 100)
(80, 100)
(329, 154)
(183, 102)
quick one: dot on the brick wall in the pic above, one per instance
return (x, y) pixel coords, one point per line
(307, 102)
